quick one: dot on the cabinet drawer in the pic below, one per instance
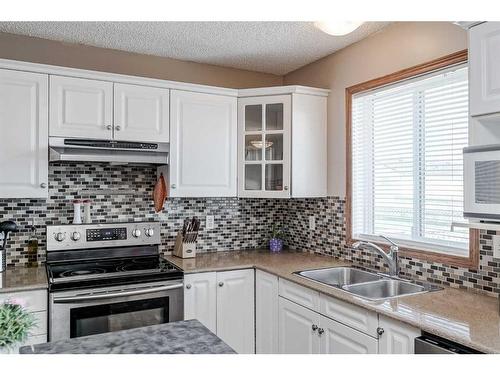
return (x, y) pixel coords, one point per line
(299, 294)
(353, 316)
(32, 300)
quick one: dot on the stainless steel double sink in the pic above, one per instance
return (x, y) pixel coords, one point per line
(366, 284)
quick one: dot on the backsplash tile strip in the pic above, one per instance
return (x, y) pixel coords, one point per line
(329, 238)
(239, 223)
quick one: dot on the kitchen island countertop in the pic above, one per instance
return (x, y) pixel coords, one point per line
(183, 337)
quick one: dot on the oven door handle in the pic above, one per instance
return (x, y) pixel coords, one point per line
(89, 297)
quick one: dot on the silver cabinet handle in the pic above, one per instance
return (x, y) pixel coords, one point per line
(109, 127)
(314, 327)
(188, 286)
(173, 186)
(118, 128)
(90, 297)
(380, 331)
(286, 187)
(221, 284)
(43, 185)
(321, 331)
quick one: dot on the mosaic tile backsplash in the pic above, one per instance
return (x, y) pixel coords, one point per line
(329, 238)
(239, 223)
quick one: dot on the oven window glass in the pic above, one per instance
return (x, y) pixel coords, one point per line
(92, 320)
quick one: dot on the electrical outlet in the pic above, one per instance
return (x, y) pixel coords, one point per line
(312, 222)
(496, 247)
(210, 222)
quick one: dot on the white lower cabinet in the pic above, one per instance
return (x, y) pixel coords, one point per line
(303, 331)
(337, 338)
(396, 337)
(200, 298)
(266, 313)
(297, 329)
(224, 303)
(35, 301)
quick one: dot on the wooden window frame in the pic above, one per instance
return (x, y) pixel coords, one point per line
(471, 262)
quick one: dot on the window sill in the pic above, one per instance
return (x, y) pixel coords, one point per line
(471, 262)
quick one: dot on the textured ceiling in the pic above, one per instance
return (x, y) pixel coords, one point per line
(271, 47)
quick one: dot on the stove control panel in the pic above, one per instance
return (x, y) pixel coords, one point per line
(88, 236)
(106, 234)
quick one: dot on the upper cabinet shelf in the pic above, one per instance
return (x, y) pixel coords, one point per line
(484, 62)
(282, 143)
(87, 108)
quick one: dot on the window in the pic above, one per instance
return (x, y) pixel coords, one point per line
(406, 161)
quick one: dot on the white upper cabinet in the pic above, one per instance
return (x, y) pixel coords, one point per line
(81, 108)
(282, 145)
(24, 128)
(203, 131)
(141, 113)
(396, 337)
(264, 146)
(484, 62)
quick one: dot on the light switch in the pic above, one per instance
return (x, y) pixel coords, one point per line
(210, 222)
(312, 222)
(496, 247)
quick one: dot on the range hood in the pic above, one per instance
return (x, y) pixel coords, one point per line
(110, 151)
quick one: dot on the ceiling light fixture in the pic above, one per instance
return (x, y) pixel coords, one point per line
(337, 28)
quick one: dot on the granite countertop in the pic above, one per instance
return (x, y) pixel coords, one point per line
(184, 337)
(23, 278)
(468, 318)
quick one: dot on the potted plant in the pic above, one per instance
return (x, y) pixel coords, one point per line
(15, 323)
(276, 240)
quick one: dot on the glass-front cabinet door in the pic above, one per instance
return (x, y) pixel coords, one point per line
(264, 146)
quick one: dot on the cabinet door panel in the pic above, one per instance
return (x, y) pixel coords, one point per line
(266, 313)
(200, 297)
(80, 108)
(340, 339)
(264, 141)
(296, 334)
(141, 113)
(235, 309)
(398, 337)
(203, 145)
(24, 124)
(484, 60)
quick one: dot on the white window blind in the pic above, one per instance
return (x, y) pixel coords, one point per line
(407, 178)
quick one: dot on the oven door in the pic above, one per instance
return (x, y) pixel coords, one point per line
(482, 182)
(86, 312)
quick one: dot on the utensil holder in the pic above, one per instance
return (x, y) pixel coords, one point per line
(184, 249)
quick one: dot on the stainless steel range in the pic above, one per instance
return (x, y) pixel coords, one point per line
(109, 277)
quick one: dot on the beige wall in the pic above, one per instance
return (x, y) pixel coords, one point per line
(398, 46)
(17, 47)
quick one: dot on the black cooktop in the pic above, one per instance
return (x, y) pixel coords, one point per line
(100, 272)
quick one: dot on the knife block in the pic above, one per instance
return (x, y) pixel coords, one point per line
(184, 249)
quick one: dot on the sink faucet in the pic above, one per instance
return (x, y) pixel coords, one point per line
(391, 258)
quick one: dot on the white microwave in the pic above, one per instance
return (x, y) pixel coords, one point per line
(482, 182)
